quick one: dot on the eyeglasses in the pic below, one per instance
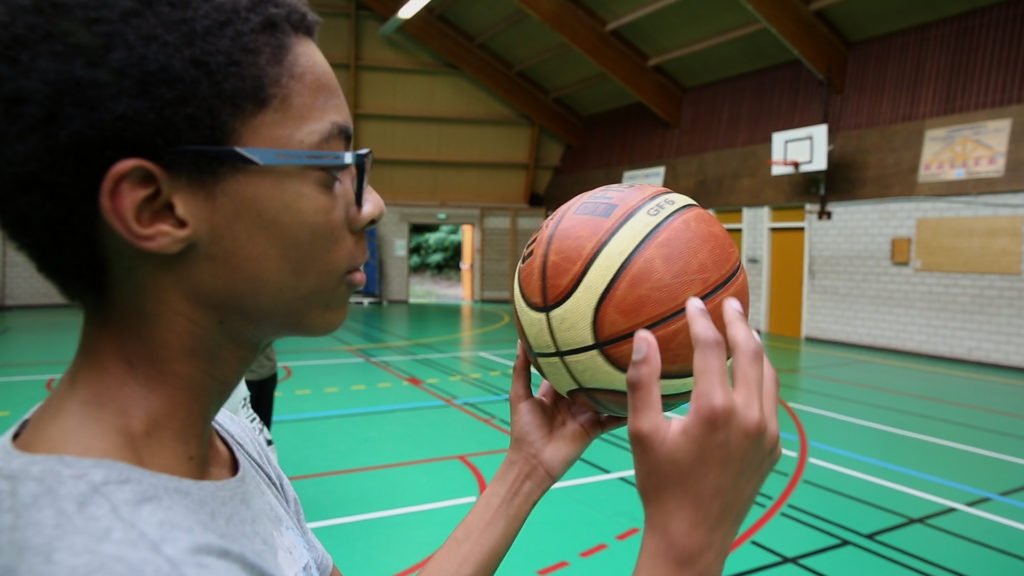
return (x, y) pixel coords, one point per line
(331, 162)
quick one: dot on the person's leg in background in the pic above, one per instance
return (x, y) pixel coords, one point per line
(261, 379)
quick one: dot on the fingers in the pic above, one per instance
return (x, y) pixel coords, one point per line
(771, 397)
(711, 378)
(520, 390)
(643, 384)
(747, 357)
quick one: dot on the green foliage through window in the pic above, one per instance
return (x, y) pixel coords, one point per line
(435, 249)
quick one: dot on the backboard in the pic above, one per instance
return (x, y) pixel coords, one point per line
(800, 150)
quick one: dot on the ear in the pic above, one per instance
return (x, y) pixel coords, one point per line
(139, 205)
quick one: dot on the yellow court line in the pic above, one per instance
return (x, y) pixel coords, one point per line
(331, 389)
(304, 392)
(384, 385)
(897, 363)
(5, 413)
(505, 319)
(475, 375)
(358, 387)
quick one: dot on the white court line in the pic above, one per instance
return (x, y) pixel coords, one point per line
(29, 377)
(454, 502)
(907, 433)
(912, 492)
(616, 475)
(392, 512)
(496, 359)
(386, 358)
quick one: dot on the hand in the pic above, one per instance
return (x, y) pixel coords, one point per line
(550, 430)
(698, 475)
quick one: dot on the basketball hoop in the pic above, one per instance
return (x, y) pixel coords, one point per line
(794, 164)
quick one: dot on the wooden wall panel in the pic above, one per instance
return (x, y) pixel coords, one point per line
(979, 245)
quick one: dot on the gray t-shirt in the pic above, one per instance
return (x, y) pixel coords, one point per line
(70, 515)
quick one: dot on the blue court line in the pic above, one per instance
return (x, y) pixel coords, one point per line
(910, 472)
(386, 408)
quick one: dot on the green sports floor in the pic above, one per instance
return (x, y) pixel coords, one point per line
(390, 427)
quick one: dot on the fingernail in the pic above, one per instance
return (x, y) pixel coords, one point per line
(639, 347)
(694, 302)
(734, 304)
(756, 335)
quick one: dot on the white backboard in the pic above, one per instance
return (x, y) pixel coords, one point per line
(655, 176)
(807, 145)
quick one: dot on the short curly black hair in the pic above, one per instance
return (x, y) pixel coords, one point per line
(86, 83)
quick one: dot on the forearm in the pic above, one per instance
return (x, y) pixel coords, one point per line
(482, 539)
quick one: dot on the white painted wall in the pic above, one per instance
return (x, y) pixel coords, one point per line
(755, 246)
(22, 284)
(857, 296)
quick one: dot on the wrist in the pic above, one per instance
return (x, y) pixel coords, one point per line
(523, 474)
(673, 548)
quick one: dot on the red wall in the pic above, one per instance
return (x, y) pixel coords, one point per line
(969, 62)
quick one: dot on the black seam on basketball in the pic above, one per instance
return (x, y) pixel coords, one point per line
(583, 273)
(623, 337)
(595, 402)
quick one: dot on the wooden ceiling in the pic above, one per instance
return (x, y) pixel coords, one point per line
(559, 61)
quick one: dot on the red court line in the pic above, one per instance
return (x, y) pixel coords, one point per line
(594, 550)
(794, 479)
(553, 568)
(287, 373)
(481, 483)
(419, 384)
(759, 524)
(628, 534)
(396, 465)
(49, 384)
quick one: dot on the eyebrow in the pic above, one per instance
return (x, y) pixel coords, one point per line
(337, 131)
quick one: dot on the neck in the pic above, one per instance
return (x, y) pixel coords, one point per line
(144, 389)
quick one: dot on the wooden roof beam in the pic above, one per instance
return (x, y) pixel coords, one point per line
(820, 49)
(459, 50)
(579, 27)
(638, 14)
(725, 37)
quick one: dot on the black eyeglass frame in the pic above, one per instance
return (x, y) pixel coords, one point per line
(332, 162)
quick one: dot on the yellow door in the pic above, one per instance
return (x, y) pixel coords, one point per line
(466, 264)
(785, 306)
(737, 239)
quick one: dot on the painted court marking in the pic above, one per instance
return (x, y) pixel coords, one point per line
(907, 433)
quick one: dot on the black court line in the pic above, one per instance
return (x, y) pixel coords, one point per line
(788, 560)
(621, 444)
(442, 368)
(924, 520)
(888, 408)
(480, 410)
(792, 560)
(882, 390)
(909, 520)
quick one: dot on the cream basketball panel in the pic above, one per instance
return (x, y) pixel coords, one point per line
(535, 324)
(593, 370)
(572, 322)
(554, 371)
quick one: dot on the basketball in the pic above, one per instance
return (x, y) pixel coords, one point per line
(608, 262)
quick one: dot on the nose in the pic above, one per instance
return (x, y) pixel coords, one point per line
(373, 209)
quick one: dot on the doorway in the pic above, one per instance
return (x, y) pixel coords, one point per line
(440, 262)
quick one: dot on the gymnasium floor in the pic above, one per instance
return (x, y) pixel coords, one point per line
(894, 463)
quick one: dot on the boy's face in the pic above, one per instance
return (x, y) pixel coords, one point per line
(284, 245)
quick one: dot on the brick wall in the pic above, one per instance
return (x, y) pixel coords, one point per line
(856, 295)
(22, 284)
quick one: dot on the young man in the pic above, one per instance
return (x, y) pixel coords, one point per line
(149, 151)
